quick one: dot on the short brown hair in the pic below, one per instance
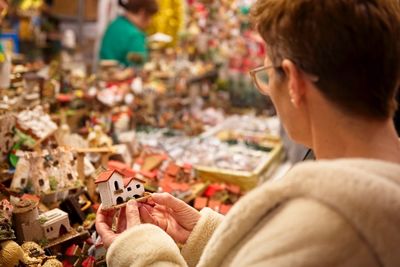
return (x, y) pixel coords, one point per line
(135, 6)
(353, 46)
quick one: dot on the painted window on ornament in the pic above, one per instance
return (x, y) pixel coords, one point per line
(116, 185)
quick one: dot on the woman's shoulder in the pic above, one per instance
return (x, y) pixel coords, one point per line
(353, 167)
(305, 231)
(317, 202)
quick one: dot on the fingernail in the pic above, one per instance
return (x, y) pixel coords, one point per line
(132, 202)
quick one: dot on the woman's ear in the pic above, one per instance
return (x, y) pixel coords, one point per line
(296, 83)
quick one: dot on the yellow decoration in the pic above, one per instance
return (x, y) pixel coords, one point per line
(2, 57)
(30, 4)
(169, 20)
(10, 254)
(79, 93)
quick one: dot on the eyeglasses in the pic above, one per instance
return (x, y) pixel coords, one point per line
(261, 78)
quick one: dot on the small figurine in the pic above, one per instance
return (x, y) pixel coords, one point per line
(34, 255)
(30, 226)
(97, 138)
(7, 124)
(116, 188)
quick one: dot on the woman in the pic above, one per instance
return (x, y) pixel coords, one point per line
(125, 39)
(332, 71)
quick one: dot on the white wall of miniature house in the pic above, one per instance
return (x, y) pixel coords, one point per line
(117, 187)
(114, 192)
(134, 190)
(57, 229)
(58, 225)
(105, 190)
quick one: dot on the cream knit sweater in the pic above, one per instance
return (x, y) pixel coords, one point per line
(325, 213)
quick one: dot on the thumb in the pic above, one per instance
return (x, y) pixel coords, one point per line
(132, 214)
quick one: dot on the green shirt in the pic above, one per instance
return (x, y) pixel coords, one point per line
(124, 42)
(2, 54)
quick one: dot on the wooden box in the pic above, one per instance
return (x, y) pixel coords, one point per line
(70, 9)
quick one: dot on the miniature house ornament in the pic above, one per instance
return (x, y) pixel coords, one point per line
(29, 225)
(7, 123)
(115, 188)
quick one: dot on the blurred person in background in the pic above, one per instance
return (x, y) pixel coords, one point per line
(332, 71)
(125, 38)
(107, 11)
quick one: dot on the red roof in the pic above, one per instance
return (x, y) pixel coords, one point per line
(31, 197)
(173, 169)
(104, 176)
(122, 168)
(148, 174)
(170, 186)
(128, 180)
(113, 164)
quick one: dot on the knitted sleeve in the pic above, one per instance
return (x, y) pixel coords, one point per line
(200, 235)
(144, 245)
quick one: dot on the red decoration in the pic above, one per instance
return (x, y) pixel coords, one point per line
(212, 190)
(89, 262)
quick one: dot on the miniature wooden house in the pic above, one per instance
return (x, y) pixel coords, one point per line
(47, 172)
(30, 226)
(116, 188)
(54, 223)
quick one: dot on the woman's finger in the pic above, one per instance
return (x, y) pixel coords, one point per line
(105, 213)
(169, 201)
(132, 214)
(145, 215)
(104, 230)
(122, 224)
(104, 218)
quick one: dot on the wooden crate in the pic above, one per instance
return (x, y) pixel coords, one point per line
(70, 9)
(246, 180)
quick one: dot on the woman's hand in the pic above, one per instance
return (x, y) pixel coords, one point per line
(172, 215)
(123, 219)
